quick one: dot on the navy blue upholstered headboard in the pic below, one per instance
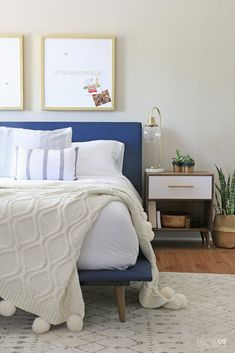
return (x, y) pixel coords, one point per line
(128, 133)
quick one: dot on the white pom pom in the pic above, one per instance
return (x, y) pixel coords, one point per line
(173, 304)
(7, 308)
(40, 326)
(74, 323)
(145, 217)
(182, 298)
(148, 226)
(167, 292)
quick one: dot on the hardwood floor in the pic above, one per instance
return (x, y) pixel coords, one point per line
(193, 257)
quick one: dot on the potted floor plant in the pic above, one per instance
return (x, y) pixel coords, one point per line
(224, 223)
(177, 161)
(188, 163)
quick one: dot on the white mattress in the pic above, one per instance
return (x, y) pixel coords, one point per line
(112, 241)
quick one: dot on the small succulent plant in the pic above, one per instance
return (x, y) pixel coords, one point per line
(183, 163)
(178, 159)
(188, 160)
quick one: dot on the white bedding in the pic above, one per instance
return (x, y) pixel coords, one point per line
(112, 241)
(43, 230)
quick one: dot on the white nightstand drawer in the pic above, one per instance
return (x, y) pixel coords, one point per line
(180, 187)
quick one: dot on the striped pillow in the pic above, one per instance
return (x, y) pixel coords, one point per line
(12, 137)
(46, 164)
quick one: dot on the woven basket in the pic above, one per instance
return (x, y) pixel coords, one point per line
(173, 221)
(223, 234)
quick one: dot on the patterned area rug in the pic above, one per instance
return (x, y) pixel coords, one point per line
(207, 325)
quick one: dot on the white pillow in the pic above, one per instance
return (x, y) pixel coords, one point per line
(45, 164)
(100, 157)
(12, 137)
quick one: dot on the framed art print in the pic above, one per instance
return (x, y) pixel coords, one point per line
(11, 72)
(78, 73)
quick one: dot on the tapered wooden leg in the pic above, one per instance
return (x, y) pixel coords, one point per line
(207, 236)
(202, 236)
(120, 298)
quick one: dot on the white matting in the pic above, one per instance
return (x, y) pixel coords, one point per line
(207, 325)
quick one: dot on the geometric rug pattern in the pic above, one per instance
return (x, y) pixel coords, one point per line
(206, 325)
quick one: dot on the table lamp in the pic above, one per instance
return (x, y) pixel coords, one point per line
(152, 137)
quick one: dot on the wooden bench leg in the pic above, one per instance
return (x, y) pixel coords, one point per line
(120, 299)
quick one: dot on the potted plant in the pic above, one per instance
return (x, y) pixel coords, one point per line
(188, 163)
(178, 161)
(224, 223)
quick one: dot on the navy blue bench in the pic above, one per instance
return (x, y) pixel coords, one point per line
(141, 271)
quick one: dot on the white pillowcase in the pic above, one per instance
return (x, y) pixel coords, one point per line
(12, 137)
(45, 164)
(100, 157)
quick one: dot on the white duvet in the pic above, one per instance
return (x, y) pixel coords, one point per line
(112, 241)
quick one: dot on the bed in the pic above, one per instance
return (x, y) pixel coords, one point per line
(85, 197)
(93, 265)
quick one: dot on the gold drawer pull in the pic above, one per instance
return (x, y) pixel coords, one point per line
(180, 186)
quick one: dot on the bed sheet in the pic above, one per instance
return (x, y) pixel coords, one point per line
(112, 242)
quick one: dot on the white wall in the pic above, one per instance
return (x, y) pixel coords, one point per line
(176, 54)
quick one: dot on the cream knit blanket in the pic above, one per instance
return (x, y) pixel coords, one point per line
(42, 229)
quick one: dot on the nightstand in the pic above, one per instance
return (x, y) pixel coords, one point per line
(181, 193)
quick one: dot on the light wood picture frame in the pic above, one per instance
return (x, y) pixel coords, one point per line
(11, 72)
(77, 72)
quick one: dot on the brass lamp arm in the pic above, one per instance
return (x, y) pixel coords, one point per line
(152, 120)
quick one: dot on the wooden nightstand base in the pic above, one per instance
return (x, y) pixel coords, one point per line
(189, 194)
